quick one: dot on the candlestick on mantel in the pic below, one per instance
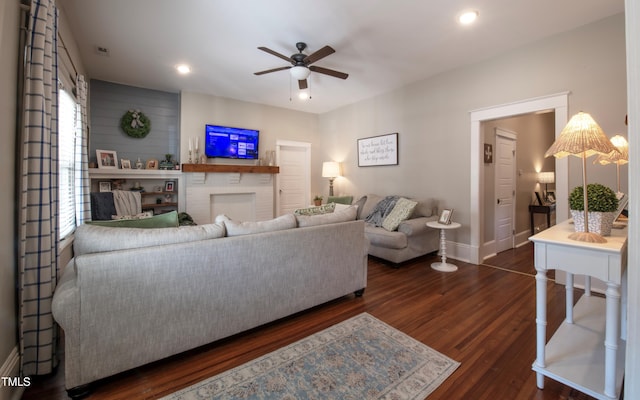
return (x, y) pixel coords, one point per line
(190, 144)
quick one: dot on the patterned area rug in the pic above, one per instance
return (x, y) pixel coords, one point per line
(360, 358)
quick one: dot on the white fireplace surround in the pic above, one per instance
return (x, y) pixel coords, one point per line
(240, 196)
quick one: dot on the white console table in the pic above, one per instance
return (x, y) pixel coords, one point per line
(586, 352)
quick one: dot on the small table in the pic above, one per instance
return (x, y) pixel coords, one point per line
(587, 351)
(541, 209)
(443, 266)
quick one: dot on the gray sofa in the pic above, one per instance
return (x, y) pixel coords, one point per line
(411, 239)
(132, 296)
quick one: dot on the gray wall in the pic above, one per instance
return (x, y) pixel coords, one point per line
(110, 101)
(432, 116)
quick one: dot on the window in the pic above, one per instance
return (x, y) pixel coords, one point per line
(68, 127)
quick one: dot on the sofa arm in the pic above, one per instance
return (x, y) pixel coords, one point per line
(415, 226)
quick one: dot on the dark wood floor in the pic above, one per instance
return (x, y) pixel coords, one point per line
(481, 315)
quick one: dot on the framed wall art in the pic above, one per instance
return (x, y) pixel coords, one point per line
(107, 159)
(378, 150)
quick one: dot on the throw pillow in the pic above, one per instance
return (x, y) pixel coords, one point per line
(401, 211)
(348, 214)
(236, 228)
(323, 209)
(340, 199)
(166, 220)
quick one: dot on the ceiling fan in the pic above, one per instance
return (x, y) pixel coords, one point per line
(301, 64)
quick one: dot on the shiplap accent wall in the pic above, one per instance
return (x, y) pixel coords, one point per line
(110, 101)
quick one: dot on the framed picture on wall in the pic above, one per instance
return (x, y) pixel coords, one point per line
(378, 150)
(105, 186)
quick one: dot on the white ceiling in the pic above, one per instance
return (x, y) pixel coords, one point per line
(381, 44)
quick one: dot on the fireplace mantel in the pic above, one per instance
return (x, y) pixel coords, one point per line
(226, 168)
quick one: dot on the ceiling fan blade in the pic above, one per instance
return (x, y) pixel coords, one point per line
(275, 53)
(302, 84)
(322, 53)
(330, 72)
(271, 70)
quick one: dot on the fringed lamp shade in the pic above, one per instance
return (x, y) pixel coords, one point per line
(616, 157)
(582, 137)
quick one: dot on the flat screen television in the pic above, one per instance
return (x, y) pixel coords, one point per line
(229, 142)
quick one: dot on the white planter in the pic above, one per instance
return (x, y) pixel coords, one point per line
(599, 222)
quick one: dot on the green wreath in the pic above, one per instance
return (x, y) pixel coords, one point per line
(135, 124)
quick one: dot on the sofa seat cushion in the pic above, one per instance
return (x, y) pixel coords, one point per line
(345, 215)
(97, 239)
(381, 237)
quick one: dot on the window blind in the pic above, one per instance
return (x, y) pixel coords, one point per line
(68, 127)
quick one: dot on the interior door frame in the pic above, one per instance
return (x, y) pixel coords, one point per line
(513, 136)
(557, 102)
(307, 149)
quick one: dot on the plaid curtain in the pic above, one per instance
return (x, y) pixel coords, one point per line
(38, 186)
(83, 200)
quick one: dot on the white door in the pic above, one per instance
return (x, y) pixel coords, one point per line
(293, 189)
(505, 187)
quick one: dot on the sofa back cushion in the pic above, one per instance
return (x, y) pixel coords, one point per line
(237, 228)
(96, 239)
(345, 215)
(370, 202)
(426, 207)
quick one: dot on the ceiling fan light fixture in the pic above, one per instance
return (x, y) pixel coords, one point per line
(303, 95)
(299, 72)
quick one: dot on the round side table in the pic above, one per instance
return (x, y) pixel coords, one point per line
(443, 265)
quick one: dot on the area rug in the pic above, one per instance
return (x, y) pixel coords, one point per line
(360, 358)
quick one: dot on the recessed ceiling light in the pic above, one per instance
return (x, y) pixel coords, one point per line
(468, 17)
(183, 68)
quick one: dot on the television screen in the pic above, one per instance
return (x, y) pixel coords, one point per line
(228, 142)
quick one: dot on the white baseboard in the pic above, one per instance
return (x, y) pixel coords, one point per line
(459, 251)
(11, 368)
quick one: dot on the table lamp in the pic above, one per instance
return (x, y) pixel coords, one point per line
(331, 170)
(582, 137)
(546, 178)
(616, 157)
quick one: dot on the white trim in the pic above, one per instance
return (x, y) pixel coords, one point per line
(632, 367)
(558, 102)
(11, 368)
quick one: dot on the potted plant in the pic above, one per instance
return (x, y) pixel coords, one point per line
(602, 202)
(317, 200)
